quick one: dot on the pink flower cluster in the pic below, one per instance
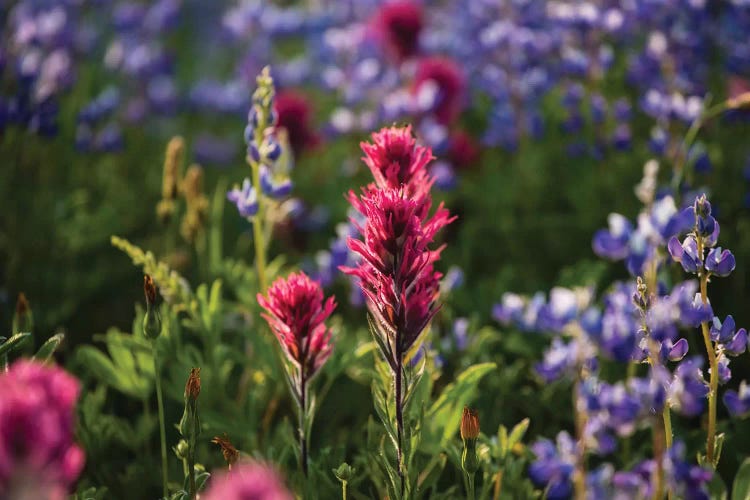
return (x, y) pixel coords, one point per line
(396, 272)
(38, 458)
(296, 312)
(248, 481)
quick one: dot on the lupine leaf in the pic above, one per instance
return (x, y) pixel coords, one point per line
(741, 484)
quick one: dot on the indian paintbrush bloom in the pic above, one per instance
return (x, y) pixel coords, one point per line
(248, 481)
(396, 271)
(294, 114)
(398, 24)
(296, 311)
(37, 409)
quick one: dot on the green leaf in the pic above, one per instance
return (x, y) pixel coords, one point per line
(516, 435)
(15, 342)
(446, 411)
(49, 347)
(741, 484)
(716, 488)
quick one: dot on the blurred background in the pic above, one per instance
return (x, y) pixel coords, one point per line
(541, 115)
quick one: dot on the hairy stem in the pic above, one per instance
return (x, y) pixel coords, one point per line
(470, 495)
(302, 422)
(162, 429)
(399, 419)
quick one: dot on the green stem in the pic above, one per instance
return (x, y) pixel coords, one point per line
(162, 431)
(258, 235)
(714, 380)
(191, 471)
(343, 490)
(470, 495)
(579, 474)
(400, 419)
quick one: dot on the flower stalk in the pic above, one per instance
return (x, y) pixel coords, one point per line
(152, 330)
(190, 426)
(469, 460)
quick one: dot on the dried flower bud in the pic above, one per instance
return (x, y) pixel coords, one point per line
(231, 455)
(469, 424)
(193, 385)
(151, 320)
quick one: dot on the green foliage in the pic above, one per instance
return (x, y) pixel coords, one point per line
(741, 485)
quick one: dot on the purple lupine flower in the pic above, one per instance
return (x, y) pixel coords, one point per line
(678, 350)
(248, 481)
(461, 333)
(696, 312)
(722, 332)
(688, 390)
(738, 344)
(686, 253)
(38, 457)
(738, 402)
(246, 199)
(271, 187)
(554, 466)
(612, 243)
(720, 262)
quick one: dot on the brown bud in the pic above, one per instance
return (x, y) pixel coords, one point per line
(172, 165)
(469, 424)
(231, 455)
(22, 305)
(193, 385)
(192, 185)
(149, 289)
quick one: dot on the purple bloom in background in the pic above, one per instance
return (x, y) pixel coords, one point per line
(688, 390)
(246, 199)
(554, 466)
(38, 457)
(273, 188)
(248, 481)
(738, 402)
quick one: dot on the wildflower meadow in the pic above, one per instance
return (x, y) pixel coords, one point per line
(387, 249)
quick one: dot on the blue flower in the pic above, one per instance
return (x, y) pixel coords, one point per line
(612, 243)
(688, 390)
(686, 253)
(720, 262)
(738, 402)
(274, 189)
(246, 199)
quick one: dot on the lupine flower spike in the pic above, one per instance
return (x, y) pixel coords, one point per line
(296, 312)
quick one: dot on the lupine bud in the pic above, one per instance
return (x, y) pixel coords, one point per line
(230, 453)
(152, 320)
(469, 435)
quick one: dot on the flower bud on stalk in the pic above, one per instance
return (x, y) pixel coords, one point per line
(190, 425)
(469, 435)
(152, 320)
(23, 322)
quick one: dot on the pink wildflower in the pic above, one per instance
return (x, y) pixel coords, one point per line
(38, 458)
(296, 312)
(248, 481)
(399, 24)
(442, 78)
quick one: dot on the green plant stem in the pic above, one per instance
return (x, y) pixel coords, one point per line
(191, 472)
(162, 431)
(303, 422)
(343, 490)
(398, 378)
(258, 235)
(579, 474)
(714, 365)
(470, 492)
